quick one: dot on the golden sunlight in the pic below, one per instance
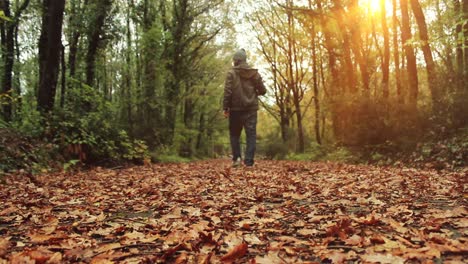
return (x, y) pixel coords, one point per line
(371, 6)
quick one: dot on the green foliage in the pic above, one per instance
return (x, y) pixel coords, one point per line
(4, 124)
(88, 121)
(275, 149)
(70, 164)
(24, 152)
(341, 154)
(313, 153)
(4, 17)
(167, 155)
(170, 159)
(31, 121)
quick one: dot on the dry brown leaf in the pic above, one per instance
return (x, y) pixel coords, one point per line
(107, 247)
(182, 258)
(354, 240)
(383, 258)
(41, 255)
(4, 246)
(237, 252)
(307, 232)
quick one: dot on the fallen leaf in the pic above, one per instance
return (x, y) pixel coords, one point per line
(107, 247)
(237, 252)
(41, 255)
(307, 232)
(383, 258)
(354, 240)
(4, 246)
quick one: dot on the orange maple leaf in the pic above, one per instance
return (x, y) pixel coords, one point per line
(237, 252)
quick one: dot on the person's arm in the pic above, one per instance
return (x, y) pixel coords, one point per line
(260, 86)
(227, 94)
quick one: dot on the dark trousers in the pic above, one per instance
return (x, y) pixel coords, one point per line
(248, 121)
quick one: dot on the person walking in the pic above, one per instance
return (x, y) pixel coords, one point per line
(241, 90)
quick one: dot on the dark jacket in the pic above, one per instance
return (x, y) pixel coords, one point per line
(242, 87)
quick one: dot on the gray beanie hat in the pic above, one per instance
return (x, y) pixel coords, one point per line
(240, 56)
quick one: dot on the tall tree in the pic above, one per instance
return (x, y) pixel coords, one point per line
(465, 44)
(316, 85)
(99, 12)
(269, 42)
(386, 58)
(74, 34)
(396, 54)
(412, 71)
(184, 45)
(8, 29)
(436, 90)
(50, 44)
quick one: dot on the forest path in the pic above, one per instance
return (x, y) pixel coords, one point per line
(206, 212)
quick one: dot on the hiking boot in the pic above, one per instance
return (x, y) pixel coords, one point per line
(236, 163)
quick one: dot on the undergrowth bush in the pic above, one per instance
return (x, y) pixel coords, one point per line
(83, 131)
(91, 135)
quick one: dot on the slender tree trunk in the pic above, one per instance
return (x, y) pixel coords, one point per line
(293, 78)
(201, 130)
(8, 61)
(49, 53)
(316, 84)
(386, 57)
(74, 38)
(357, 48)
(17, 75)
(95, 40)
(396, 55)
(410, 57)
(460, 107)
(334, 82)
(63, 77)
(350, 86)
(8, 35)
(465, 49)
(128, 72)
(430, 65)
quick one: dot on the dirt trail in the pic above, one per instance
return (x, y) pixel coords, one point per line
(206, 212)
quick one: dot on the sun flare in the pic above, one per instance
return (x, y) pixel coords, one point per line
(371, 6)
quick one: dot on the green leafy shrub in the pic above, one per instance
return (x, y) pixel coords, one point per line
(85, 129)
(275, 149)
(313, 153)
(341, 154)
(24, 152)
(167, 155)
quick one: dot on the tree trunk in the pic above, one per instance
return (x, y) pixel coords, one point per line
(386, 57)
(63, 77)
(201, 130)
(461, 91)
(430, 65)
(465, 52)
(316, 90)
(410, 57)
(350, 85)
(74, 37)
(334, 82)
(396, 55)
(94, 38)
(8, 61)
(128, 72)
(50, 44)
(8, 52)
(357, 48)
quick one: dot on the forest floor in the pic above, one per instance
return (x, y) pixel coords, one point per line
(206, 212)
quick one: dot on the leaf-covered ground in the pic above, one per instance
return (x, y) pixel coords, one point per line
(206, 212)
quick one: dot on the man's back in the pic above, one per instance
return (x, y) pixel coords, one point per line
(243, 85)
